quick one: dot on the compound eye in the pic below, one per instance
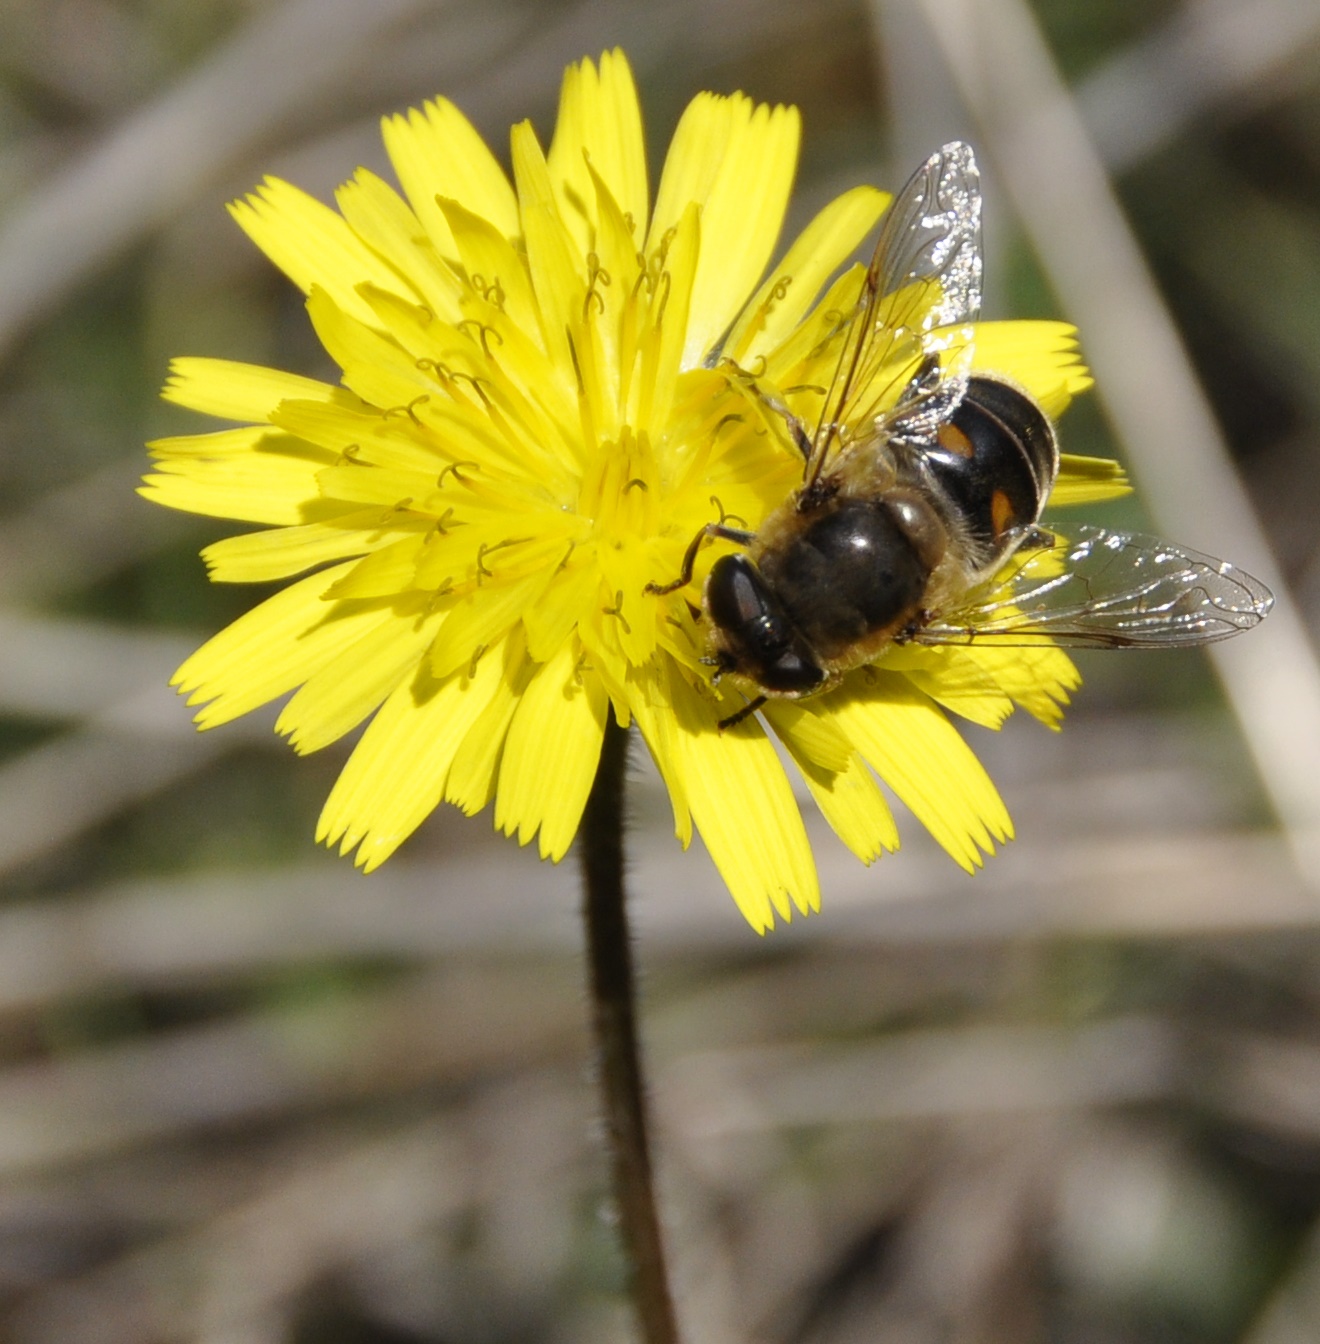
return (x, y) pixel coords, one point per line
(736, 593)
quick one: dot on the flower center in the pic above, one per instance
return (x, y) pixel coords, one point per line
(619, 491)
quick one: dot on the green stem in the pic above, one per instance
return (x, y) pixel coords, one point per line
(613, 997)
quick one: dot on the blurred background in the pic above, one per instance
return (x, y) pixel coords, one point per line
(248, 1096)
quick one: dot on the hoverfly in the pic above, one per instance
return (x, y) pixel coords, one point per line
(917, 519)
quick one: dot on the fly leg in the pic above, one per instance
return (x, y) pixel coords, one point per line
(745, 712)
(801, 439)
(735, 534)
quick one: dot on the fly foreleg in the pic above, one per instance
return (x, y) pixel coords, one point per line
(735, 534)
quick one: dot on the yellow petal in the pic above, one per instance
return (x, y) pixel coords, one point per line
(313, 245)
(258, 557)
(481, 618)
(396, 775)
(663, 344)
(844, 789)
(1039, 679)
(234, 391)
(362, 439)
(273, 648)
(954, 679)
(387, 572)
(550, 621)
(746, 812)
(918, 753)
(599, 121)
(1040, 357)
(379, 217)
(550, 755)
(395, 491)
(791, 288)
(551, 257)
(809, 354)
(1088, 480)
(648, 702)
(352, 684)
(736, 160)
(376, 368)
(617, 302)
(471, 782)
(492, 264)
(274, 481)
(436, 152)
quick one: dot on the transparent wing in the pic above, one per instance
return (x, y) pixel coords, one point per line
(906, 349)
(1103, 589)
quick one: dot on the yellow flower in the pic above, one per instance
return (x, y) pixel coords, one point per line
(524, 437)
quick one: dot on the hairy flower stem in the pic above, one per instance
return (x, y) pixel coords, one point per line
(613, 997)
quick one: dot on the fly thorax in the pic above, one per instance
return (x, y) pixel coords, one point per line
(848, 573)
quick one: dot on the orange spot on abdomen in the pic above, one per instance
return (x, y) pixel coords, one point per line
(1002, 516)
(953, 440)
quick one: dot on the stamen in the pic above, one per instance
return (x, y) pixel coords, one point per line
(390, 514)
(834, 322)
(489, 548)
(726, 518)
(407, 410)
(617, 611)
(434, 366)
(446, 587)
(438, 528)
(458, 475)
(666, 240)
(476, 380)
(483, 332)
(595, 272)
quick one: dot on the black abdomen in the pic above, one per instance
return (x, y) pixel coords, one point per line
(996, 459)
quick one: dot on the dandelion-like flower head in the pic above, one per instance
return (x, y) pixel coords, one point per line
(548, 388)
